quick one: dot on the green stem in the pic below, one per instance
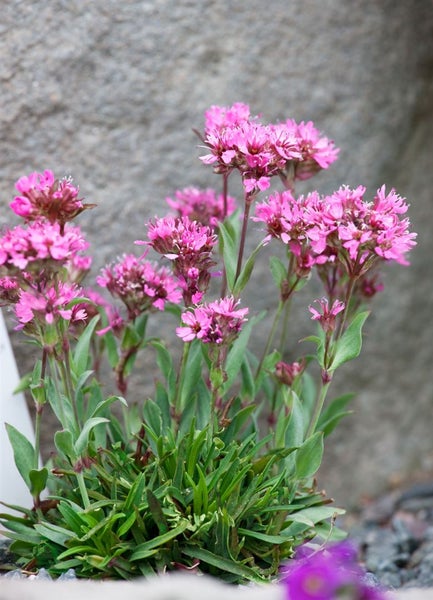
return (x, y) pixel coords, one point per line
(248, 202)
(55, 374)
(179, 381)
(318, 408)
(38, 418)
(83, 490)
(69, 392)
(271, 335)
(285, 326)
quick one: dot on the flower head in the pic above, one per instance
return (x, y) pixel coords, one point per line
(326, 315)
(204, 206)
(40, 245)
(236, 140)
(218, 322)
(326, 574)
(43, 196)
(188, 245)
(316, 151)
(49, 305)
(140, 284)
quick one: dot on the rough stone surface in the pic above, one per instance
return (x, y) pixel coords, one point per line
(109, 91)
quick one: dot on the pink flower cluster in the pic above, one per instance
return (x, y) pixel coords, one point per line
(42, 196)
(327, 574)
(318, 229)
(49, 305)
(218, 322)
(189, 246)
(238, 141)
(204, 206)
(29, 247)
(41, 262)
(140, 285)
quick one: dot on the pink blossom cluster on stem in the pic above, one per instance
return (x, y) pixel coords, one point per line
(218, 322)
(140, 284)
(342, 225)
(202, 205)
(188, 245)
(44, 196)
(42, 261)
(238, 141)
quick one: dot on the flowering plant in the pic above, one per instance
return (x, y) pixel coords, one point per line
(215, 469)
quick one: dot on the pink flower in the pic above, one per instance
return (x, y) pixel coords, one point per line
(216, 323)
(40, 245)
(42, 196)
(140, 284)
(188, 245)
(286, 373)
(204, 206)
(49, 305)
(326, 315)
(9, 291)
(238, 141)
(317, 152)
(218, 117)
(327, 574)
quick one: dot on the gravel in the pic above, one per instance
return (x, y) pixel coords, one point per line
(395, 538)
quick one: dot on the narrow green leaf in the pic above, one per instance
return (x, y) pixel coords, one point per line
(309, 456)
(142, 549)
(228, 248)
(225, 564)
(82, 349)
(64, 443)
(237, 352)
(83, 438)
(278, 270)
(350, 343)
(56, 534)
(333, 413)
(263, 537)
(247, 269)
(24, 453)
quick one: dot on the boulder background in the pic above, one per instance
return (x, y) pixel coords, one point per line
(108, 92)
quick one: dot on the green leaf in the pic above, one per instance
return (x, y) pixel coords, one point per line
(350, 343)
(278, 270)
(333, 413)
(247, 269)
(228, 248)
(225, 564)
(263, 537)
(24, 453)
(55, 533)
(192, 374)
(142, 550)
(38, 480)
(165, 364)
(309, 456)
(82, 349)
(237, 352)
(104, 404)
(64, 443)
(83, 438)
(294, 435)
(152, 416)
